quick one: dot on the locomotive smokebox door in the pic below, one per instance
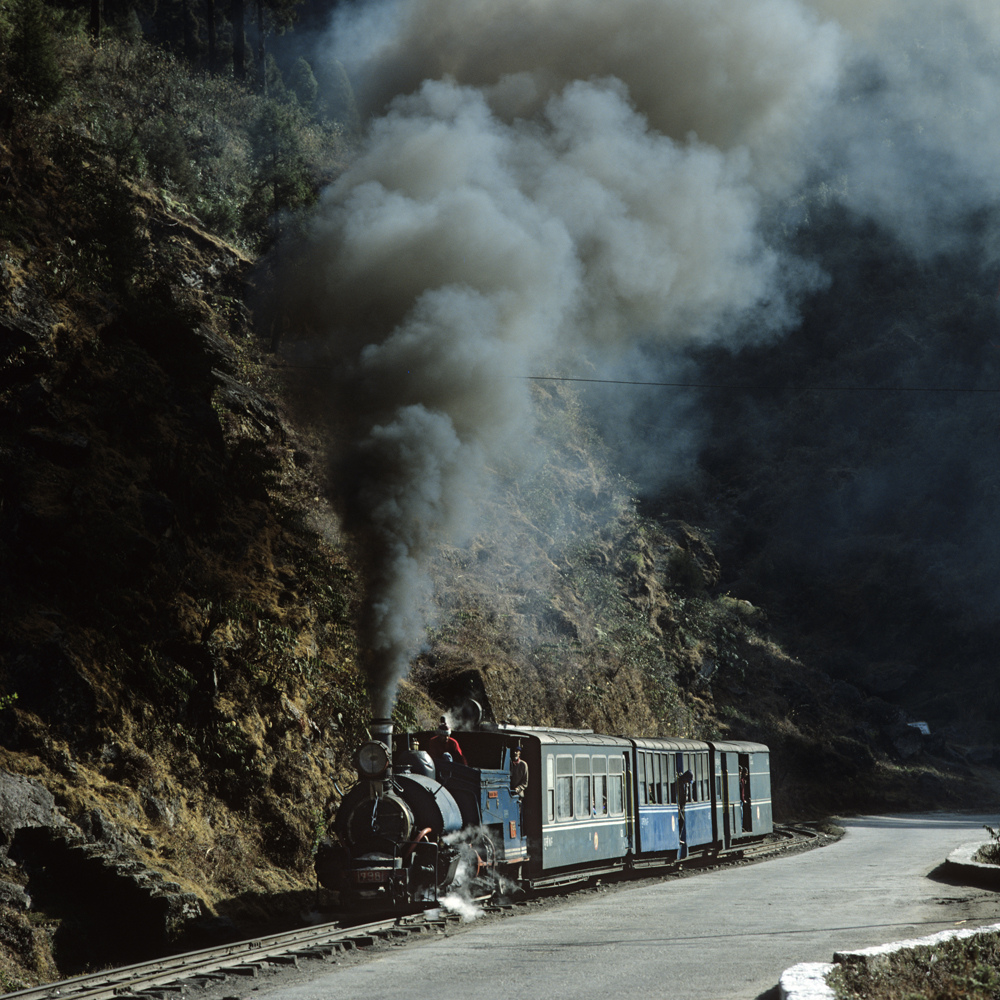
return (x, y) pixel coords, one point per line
(373, 761)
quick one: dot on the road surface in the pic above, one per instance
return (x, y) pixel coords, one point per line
(724, 935)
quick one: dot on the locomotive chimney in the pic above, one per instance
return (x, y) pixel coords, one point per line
(382, 731)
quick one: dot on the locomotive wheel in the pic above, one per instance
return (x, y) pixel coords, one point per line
(474, 871)
(487, 879)
(486, 856)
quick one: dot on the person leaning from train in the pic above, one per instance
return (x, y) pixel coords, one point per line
(443, 745)
(684, 783)
(518, 773)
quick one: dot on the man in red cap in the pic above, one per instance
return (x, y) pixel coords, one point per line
(442, 742)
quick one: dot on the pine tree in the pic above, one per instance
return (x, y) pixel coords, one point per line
(238, 17)
(34, 64)
(282, 171)
(303, 83)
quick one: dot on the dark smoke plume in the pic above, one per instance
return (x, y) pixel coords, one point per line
(549, 183)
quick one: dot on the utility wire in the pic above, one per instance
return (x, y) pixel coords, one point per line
(731, 386)
(763, 388)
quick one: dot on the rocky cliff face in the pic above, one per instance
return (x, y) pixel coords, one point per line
(173, 632)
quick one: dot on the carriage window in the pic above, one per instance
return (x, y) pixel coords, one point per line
(696, 772)
(703, 760)
(640, 776)
(656, 793)
(550, 786)
(672, 778)
(616, 786)
(564, 788)
(600, 766)
(582, 786)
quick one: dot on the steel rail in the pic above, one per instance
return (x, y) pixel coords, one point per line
(236, 957)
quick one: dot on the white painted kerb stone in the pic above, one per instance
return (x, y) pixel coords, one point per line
(806, 981)
(926, 942)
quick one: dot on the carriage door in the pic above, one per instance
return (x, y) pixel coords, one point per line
(715, 793)
(746, 807)
(727, 829)
(628, 802)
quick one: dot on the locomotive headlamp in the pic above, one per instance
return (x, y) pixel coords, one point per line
(372, 760)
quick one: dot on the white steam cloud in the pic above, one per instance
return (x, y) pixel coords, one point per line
(546, 181)
(912, 141)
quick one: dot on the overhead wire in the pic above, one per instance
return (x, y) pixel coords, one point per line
(730, 386)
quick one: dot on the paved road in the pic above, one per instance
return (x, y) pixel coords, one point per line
(716, 936)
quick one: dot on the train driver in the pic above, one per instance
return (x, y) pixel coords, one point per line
(518, 773)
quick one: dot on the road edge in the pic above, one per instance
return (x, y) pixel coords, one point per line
(808, 980)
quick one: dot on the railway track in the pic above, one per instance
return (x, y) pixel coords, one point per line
(159, 979)
(238, 959)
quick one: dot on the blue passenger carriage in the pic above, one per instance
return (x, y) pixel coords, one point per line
(673, 797)
(582, 797)
(742, 773)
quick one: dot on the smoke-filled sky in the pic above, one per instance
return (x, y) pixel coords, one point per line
(578, 186)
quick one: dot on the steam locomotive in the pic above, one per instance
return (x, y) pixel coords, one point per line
(418, 827)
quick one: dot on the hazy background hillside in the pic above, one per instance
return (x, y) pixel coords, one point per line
(376, 359)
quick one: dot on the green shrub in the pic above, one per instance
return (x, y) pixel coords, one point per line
(989, 853)
(167, 158)
(282, 176)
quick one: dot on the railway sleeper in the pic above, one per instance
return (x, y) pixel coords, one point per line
(326, 952)
(250, 971)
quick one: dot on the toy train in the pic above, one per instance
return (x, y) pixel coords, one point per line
(418, 826)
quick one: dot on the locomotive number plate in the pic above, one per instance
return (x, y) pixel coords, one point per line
(372, 875)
